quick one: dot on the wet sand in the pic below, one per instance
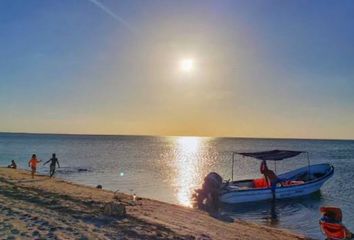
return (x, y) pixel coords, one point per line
(44, 208)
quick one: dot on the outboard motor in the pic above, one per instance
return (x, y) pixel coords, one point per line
(207, 197)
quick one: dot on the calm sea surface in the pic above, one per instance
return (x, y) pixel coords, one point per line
(169, 168)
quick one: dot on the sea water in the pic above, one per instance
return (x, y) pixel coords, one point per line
(170, 168)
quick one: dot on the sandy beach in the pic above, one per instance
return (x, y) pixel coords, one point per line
(44, 208)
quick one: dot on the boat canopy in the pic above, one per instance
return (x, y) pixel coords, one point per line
(275, 155)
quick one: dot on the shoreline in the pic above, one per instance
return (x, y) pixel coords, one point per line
(57, 209)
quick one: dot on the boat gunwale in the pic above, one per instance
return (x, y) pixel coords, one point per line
(328, 174)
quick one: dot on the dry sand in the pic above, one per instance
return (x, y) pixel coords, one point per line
(44, 208)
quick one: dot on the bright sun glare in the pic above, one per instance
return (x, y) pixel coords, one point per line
(186, 65)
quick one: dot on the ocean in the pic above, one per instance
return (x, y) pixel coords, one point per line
(169, 168)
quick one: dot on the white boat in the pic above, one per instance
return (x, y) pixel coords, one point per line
(295, 183)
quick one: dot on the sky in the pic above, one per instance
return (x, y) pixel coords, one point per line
(282, 69)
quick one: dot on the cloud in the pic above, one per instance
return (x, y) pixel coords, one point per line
(116, 17)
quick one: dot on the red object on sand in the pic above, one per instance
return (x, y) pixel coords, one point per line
(331, 224)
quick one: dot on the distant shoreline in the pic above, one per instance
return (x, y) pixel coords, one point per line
(133, 135)
(47, 207)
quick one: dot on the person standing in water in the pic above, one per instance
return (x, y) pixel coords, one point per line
(53, 161)
(32, 163)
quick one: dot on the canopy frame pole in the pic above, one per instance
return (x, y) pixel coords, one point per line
(274, 187)
(232, 169)
(308, 165)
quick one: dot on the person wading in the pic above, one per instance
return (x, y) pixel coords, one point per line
(32, 163)
(53, 162)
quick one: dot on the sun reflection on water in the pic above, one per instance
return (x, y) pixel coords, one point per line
(188, 170)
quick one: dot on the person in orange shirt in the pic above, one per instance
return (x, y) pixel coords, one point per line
(33, 164)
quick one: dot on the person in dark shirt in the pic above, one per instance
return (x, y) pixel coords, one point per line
(269, 175)
(12, 165)
(53, 162)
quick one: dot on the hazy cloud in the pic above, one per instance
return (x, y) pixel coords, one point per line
(113, 15)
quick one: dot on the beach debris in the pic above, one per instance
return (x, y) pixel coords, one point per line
(221, 216)
(115, 209)
(82, 170)
(131, 200)
(203, 237)
(99, 186)
(117, 195)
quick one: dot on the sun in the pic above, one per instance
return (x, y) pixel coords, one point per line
(186, 65)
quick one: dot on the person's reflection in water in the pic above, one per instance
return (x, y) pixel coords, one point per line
(271, 216)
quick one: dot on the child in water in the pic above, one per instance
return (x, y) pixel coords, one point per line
(32, 163)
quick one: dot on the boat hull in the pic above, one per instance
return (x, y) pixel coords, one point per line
(281, 192)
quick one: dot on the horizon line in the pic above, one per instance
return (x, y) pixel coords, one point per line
(146, 135)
